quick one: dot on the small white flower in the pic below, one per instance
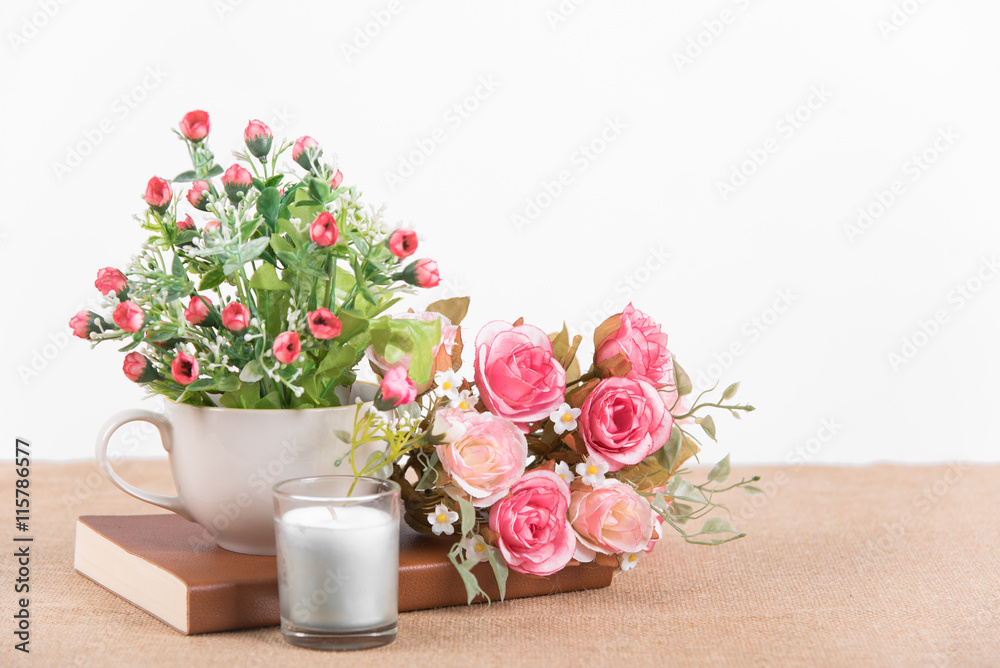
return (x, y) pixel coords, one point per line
(562, 470)
(564, 418)
(463, 401)
(442, 520)
(448, 382)
(628, 561)
(475, 548)
(592, 472)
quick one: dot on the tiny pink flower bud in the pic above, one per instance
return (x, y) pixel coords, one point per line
(337, 179)
(305, 151)
(403, 243)
(236, 317)
(212, 226)
(110, 281)
(84, 323)
(185, 223)
(422, 273)
(158, 194)
(323, 324)
(138, 369)
(237, 182)
(258, 138)
(128, 316)
(324, 230)
(396, 389)
(184, 368)
(197, 310)
(194, 125)
(287, 347)
(198, 195)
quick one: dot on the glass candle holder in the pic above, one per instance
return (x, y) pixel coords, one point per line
(338, 561)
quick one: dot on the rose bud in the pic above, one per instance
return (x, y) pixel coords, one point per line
(258, 138)
(185, 223)
(422, 273)
(337, 179)
(235, 317)
(403, 243)
(305, 151)
(194, 125)
(198, 195)
(184, 368)
(396, 389)
(323, 324)
(128, 316)
(324, 230)
(287, 347)
(158, 194)
(85, 323)
(110, 281)
(237, 182)
(212, 226)
(138, 369)
(198, 310)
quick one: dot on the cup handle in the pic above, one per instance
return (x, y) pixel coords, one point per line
(171, 503)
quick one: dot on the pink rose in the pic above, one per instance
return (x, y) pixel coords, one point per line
(128, 316)
(237, 181)
(185, 223)
(197, 196)
(534, 535)
(287, 347)
(184, 369)
(305, 151)
(110, 281)
(488, 458)
(337, 179)
(197, 310)
(323, 324)
(83, 323)
(138, 369)
(442, 351)
(633, 337)
(623, 421)
(611, 519)
(158, 194)
(403, 243)
(235, 317)
(258, 138)
(422, 273)
(194, 125)
(397, 388)
(517, 376)
(324, 230)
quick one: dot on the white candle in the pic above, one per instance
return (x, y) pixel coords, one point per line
(338, 568)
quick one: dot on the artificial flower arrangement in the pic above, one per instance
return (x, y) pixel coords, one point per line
(273, 299)
(533, 465)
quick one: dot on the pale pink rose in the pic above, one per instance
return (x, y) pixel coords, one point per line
(128, 316)
(184, 368)
(236, 317)
(488, 458)
(197, 310)
(638, 340)
(534, 535)
(305, 150)
(623, 421)
(517, 376)
(397, 388)
(197, 196)
(195, 125)
(83, 323)
(287, 347)
(158, 194)
(441, 353)
(611, 519)
(137, 368)
(110, 281)
(403, 243)
(324, 230)
(323, 324)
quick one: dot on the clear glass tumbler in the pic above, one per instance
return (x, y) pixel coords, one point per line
(338, 561)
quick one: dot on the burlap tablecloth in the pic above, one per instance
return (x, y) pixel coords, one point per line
(873, 566)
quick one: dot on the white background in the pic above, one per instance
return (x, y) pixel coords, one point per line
(813, 306)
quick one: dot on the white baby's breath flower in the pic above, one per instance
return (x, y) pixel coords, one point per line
(464, 401)
(442, 520)
(475, 548)
(562, 470)
(448, 382)
(592, 472)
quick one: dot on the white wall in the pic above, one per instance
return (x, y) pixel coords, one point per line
(120, 74)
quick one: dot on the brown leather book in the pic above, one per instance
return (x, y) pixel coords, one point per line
(173, 570)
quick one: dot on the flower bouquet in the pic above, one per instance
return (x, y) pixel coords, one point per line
(534, 465)
(271, 299)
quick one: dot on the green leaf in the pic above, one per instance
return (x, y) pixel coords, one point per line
(472, 588)
(199, 385)
(268, 204)
(336, 361)
(720, 471)
(266, 278)
(730, 391)
(752, 491)
(682, 380)
(177, 268)
(212, 279)
(468, 512)
(274, 181)
(270, 400)
(394, 339)
(717, 525)
(499, 567)
(708, 424)
(679, 488)
(319, 189)
(161, 334)
(215, 171)
(184, 177)
(252, 249)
